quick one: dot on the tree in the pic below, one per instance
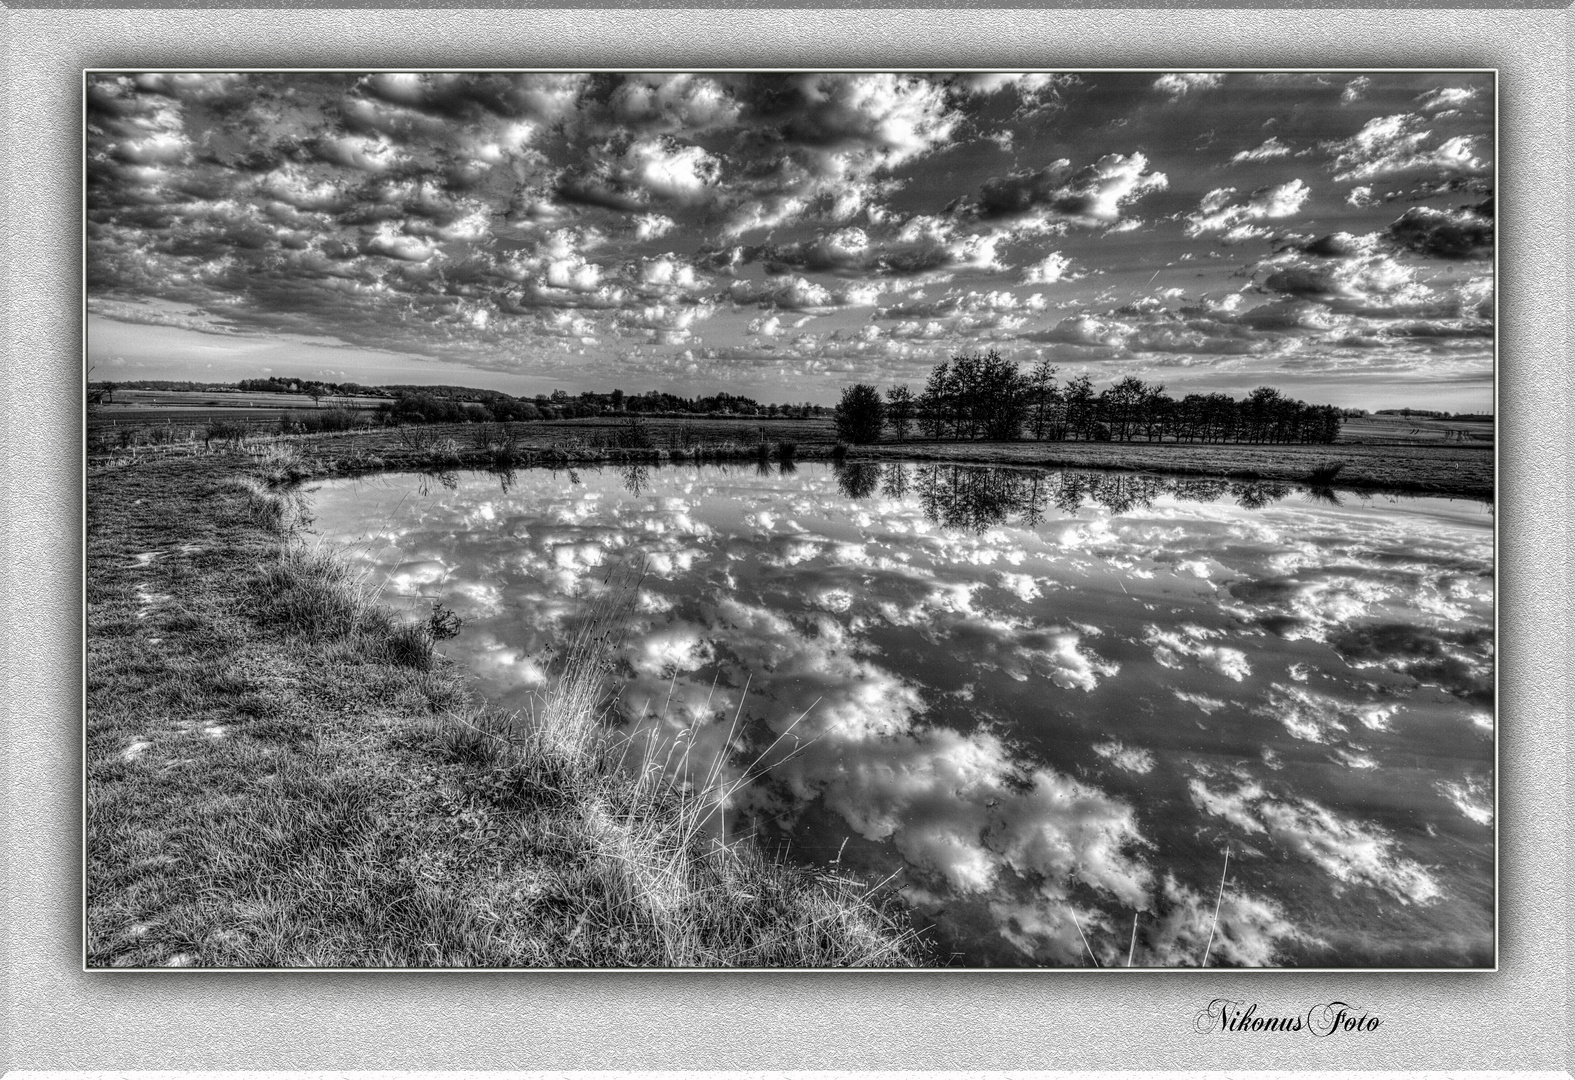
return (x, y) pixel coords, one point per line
(860, 415)
(900, 410)
(935, 404)
(1079, 399)
(1045, 396)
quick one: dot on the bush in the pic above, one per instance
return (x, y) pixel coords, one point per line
(860, 415)
(1323, 475)
(318, 420)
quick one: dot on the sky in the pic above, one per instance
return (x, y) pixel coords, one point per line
(784, 236)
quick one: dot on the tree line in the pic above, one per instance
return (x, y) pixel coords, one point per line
(986, 397)
(433, 403)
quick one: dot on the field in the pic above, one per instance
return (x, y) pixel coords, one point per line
(228, 399)
(1417, 430)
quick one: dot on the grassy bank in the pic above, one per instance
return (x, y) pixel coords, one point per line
(279, 773)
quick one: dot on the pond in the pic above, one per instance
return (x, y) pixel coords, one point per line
(1056, 709)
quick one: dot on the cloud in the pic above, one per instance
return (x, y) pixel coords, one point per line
(1321, 718)
(1445, 98)
(1217, 212)
(1446, 234)
(1396, 145)
(1052, 268)
(1177, 86)
(1231, 927)
(1346, 850)
(1267, 150)
(1373, 285)
(654, 170)
(1472, 797)
(1125, 757)
(1188, 642)
(1093, 195)
(884, 118)
(688, 103)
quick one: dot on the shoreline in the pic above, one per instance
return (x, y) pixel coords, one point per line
(1466, 472)
(280, 773)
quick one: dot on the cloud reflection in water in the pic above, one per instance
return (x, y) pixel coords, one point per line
(1049, 699)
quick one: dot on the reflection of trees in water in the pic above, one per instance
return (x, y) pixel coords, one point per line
(894, 482)
(448, 480)
(981, 497)
(504, 475)
(1259, 493)
(858, 479)
(636, 478)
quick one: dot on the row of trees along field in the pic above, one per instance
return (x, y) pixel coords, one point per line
(412, 403)
(987, 397)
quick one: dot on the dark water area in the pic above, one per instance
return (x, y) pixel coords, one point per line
(1046, 704)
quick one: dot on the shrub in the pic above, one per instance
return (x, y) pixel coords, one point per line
(317, 420)
(233, 432)
(1324, 473)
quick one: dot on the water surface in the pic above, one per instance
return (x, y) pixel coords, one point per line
(1048, 702)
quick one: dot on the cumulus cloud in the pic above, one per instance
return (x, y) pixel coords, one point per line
(1052, 268)
(1231, 927)
(1220, 211)
(1348, 851)
(1093, 195)
(1132, 759)
(1177, 86)
(1445, 98)
(1189, 642)
(1397, 144)
(1466, 233)
(1321, 718)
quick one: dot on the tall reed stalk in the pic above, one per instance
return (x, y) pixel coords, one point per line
(671, 889)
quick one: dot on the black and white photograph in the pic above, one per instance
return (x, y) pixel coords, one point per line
(790, 519)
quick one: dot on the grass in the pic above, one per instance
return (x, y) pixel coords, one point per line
(280, 772)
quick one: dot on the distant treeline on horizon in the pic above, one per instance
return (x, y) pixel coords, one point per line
(438, 402)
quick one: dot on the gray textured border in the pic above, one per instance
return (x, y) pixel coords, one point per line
(58, 1017)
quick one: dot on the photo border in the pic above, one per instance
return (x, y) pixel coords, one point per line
(59, 1018)
(87, 73)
